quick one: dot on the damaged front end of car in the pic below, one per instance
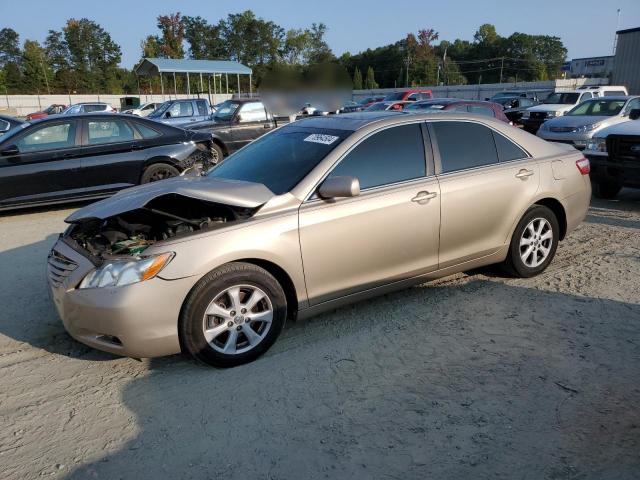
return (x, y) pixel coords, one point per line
(124, 226)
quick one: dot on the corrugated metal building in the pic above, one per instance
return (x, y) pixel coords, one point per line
(626, 69)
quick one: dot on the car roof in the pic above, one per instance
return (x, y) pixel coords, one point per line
(85, 115)
(613, 97)
(90, 103)
(358, 120)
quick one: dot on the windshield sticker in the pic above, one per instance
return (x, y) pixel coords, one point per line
(320, 138)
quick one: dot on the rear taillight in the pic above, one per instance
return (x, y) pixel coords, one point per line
(583, 166)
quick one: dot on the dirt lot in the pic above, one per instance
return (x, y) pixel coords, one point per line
(475, 376)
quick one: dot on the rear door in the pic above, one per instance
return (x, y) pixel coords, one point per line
(180, 113)
(252, 122)
(109, 161)
(46, 166)
(486, 183)
(202, 110)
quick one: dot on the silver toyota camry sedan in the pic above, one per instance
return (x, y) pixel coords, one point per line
(313, 215)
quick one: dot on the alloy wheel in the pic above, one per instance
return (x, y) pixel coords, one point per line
(536, 242)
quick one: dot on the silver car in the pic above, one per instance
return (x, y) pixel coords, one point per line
(313, 215)
(586, 119)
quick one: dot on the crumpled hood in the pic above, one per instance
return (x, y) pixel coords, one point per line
(228, 192)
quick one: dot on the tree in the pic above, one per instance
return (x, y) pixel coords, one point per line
(9, 47)
(251, 40)
(204, 39)
(370, 82)
(296, 45)
(318, 50)
(172, 35)
(36, 70)
(357, 79)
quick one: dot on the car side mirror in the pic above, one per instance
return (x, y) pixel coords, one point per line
(10, 150)
(336, 187)
(634, 114)
(167, 115)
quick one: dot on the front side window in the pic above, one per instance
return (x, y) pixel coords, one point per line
(4, 126)
(393, 155)
(50, 137)
(464, 145)
(253, 112)
(110, 131)
(586, 96)
(181, 109)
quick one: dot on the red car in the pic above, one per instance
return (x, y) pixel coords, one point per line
(489, 109)
(379, 106)
(410, 95)
(50, 110)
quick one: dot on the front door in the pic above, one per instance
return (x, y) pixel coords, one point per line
(486, 183)
(388, 233)
(46, 165)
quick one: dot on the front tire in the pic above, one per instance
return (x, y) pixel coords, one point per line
(233, 315)
(534, 243)
(158, 171)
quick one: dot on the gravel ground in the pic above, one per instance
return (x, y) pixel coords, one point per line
(474, 376)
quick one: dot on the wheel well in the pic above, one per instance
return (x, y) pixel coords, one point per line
(156, 160)
(219, 143)
(558, 210)
(283, 279)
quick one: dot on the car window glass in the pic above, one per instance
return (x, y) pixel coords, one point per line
(4, 125)
(585, 96)
(507, 150)
(632, 105)
(608, 93)
(481, 110)
(464, 145)
(393, 155)
(202, 107)
(253, 112)
(94, 108)
(48, 137)
(181, 109)
(146, 132)
(413, 96)
(525, 102)
(109, 131)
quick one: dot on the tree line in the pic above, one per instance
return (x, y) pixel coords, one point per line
(82, 57)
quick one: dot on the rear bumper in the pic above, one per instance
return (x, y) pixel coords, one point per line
(139, 320)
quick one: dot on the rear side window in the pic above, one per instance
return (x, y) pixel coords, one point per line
(464, 145)
(202, 107)
(507, 150)
(393, 155)
(146, 132)
(610, 93)
(94, 108)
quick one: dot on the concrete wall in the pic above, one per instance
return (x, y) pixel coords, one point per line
(21, 105)
(487, 90)
(626, 70)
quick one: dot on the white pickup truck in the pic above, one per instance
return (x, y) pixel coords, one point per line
(560, 102)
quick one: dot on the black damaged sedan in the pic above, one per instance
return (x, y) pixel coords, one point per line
(76, 157)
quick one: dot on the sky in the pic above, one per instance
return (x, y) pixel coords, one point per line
(587, 27)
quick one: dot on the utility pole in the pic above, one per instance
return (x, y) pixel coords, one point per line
(44, 70)
(501, 68)
(406, 66)
(615, 37)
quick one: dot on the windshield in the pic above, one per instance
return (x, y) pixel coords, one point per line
(280, 160)
(395, 96)
(71, 109)
(51, 109)
(563, 98)
(161, 109)
(376, 106)
(226, 110)
(425, 106)
(600, 108)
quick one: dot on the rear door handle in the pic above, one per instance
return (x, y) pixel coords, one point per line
(524, 174)
(424, 197)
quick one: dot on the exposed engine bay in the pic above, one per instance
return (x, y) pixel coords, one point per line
(165, 217)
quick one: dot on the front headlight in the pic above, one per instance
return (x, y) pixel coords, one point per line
(552, 114)
(118, 273)
(597, 145)
(587, 128)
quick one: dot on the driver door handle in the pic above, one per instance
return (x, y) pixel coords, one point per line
(524, 174)
(424, 197)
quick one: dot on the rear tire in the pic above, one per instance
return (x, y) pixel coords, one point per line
(604, 189)
(216, 153)
(159, 171)
(233, 315)
(534, 243)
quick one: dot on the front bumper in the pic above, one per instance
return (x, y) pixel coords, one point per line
(138, 320)
(623, 172)
(532, 124)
